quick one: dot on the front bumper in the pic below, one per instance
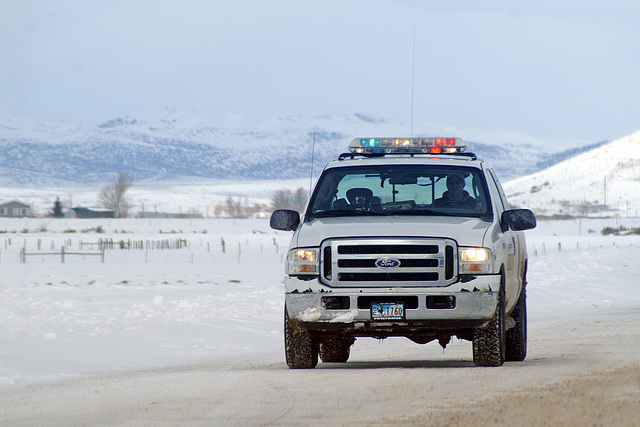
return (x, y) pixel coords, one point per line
(475, 297)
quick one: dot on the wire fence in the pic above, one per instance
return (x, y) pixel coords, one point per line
(116, 250)
(63, 253)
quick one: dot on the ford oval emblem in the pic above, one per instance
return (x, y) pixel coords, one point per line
(387, 262)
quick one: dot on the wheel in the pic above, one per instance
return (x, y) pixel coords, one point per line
(517, 336)
(489, 343)
(335, 350)
(301, 350)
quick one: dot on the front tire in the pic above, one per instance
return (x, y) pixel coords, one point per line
(517, 336)
(301, 349)
(489, 344)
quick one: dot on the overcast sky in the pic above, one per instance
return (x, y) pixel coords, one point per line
(549, 68)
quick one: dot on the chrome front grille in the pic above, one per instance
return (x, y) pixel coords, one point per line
(389, 262)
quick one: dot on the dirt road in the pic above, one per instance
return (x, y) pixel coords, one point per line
(583, 373)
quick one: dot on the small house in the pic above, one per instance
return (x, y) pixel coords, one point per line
(15, 209)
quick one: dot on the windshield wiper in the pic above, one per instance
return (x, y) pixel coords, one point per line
(427, 212)
(345, 212)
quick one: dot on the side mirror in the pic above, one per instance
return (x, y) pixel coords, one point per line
(519, 219)
(284, 219)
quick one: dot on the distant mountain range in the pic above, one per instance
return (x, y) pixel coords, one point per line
(178, 146)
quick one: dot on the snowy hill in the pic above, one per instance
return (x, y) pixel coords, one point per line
(605, 180)
(184, 161)
(179, 146)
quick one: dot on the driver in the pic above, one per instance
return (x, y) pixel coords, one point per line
(455, 196)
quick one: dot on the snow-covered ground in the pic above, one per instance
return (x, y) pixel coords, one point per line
(164, 303)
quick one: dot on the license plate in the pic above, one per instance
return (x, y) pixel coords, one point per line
(387, 311)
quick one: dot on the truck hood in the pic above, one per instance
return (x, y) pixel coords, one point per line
(465, 231)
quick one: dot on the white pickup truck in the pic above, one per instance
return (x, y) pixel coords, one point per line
(407, 237)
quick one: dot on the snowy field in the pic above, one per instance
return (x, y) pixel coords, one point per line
(181, 291)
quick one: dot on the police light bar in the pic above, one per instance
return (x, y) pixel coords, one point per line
(407, 146)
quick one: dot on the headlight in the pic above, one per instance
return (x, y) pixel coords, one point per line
(476, 261)
(303, 261)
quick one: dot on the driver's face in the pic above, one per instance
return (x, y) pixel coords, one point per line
(455, 185)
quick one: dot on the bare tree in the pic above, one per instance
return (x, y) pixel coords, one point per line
(299, 199)
(113, 195)
(281, 199)
(237, 208)
(285, 199)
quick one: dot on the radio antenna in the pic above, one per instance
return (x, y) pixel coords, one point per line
(413, 73)
(313, 151)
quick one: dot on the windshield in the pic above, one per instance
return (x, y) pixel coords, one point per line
(400, 190)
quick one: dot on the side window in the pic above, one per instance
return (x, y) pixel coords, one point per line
(503, 205)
